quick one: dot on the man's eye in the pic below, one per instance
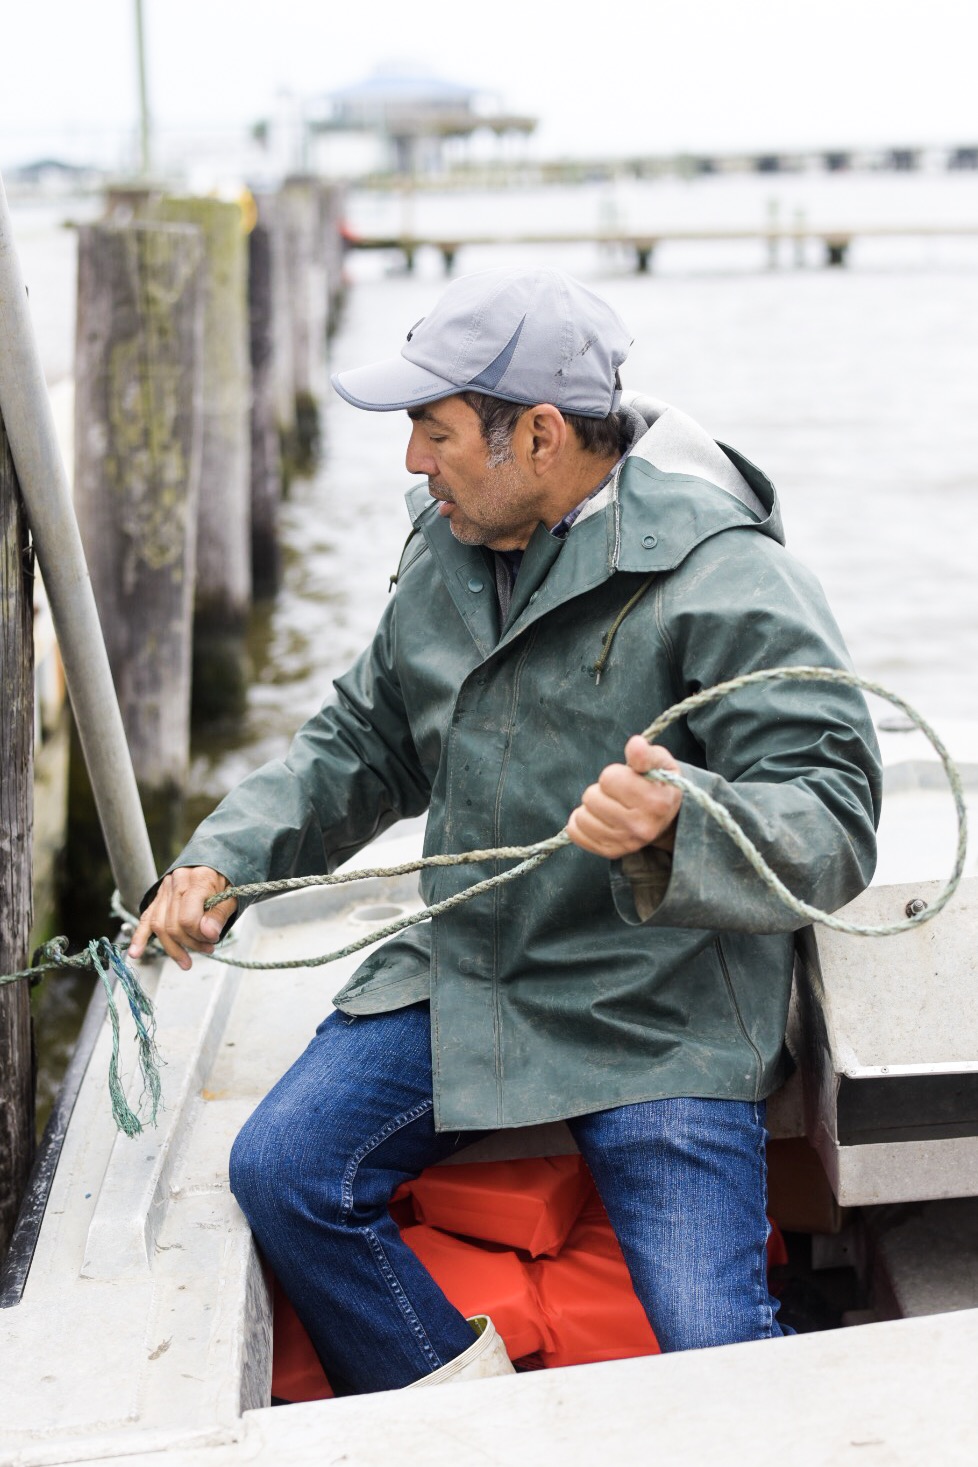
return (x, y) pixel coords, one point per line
(436, 438)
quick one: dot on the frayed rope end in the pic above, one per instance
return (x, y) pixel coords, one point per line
(106, 959)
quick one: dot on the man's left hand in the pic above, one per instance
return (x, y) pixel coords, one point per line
(624, 812)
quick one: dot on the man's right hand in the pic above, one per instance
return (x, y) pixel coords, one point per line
(176, 915)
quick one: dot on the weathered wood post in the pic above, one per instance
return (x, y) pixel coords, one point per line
(334, 251)
(273, 214)
(309, 299)
(44, 485)
(836, 250)
(223, 591)
(16, 825)
(138, 404)
(266, 449)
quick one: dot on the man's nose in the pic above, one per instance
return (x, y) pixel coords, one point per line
(419, 459)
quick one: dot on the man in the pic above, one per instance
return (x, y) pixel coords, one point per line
(580, 562)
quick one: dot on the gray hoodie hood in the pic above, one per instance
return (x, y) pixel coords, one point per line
(674, 443)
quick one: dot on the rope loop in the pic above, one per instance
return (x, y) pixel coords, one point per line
(532, 856)
(745, 845)
(107, 959)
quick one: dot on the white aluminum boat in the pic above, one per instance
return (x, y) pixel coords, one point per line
(137, 1325)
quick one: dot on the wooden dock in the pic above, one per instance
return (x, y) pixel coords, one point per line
(834, 243)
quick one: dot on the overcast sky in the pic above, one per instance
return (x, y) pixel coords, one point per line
(632, 76)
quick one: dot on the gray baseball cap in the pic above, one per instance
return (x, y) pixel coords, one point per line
(523, 335)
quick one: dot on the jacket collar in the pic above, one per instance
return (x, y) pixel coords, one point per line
(649, 522)
(552, 571)
(663, 516)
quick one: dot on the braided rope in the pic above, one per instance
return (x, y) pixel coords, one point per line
(746, 846)
(534, 855)
(102, 955)
(104, 958)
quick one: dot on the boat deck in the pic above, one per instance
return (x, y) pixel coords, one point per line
(144, 1330)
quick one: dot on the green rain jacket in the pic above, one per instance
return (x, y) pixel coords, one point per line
(584, 984)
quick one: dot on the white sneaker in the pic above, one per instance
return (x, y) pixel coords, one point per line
(486, 1357)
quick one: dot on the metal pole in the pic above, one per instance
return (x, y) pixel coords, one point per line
(37, 459)
(144, 128)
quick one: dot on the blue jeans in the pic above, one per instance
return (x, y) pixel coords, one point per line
(315, 1166)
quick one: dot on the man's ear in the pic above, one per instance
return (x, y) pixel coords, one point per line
(546, 433)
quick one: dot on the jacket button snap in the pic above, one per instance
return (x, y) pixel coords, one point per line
(476, 585)
(649, 541)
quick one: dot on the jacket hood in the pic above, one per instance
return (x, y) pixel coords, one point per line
(672, 442)
(677, 486)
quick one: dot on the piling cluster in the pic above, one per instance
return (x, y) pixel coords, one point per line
(200, 366)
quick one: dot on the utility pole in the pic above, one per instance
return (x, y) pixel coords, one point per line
(145, 160)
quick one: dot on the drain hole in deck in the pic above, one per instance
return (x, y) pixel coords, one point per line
(377, 912)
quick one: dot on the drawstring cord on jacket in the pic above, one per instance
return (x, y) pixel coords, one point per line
(612, 631)
(415, 530)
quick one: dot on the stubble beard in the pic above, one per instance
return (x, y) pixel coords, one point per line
(499, 517)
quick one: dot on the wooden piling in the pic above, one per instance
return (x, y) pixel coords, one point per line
(332, 205)
(836, 250)
(309, 300)
(16, 826)
(223, 591)
(138, 431)
(272, 215)
(266, 448)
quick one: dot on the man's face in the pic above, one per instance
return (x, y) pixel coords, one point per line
(485, 502)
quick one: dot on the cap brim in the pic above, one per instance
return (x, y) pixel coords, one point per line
(385, 387)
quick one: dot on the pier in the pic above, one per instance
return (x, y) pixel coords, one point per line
(835, 243)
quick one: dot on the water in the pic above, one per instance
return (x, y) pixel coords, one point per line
(854, 389)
